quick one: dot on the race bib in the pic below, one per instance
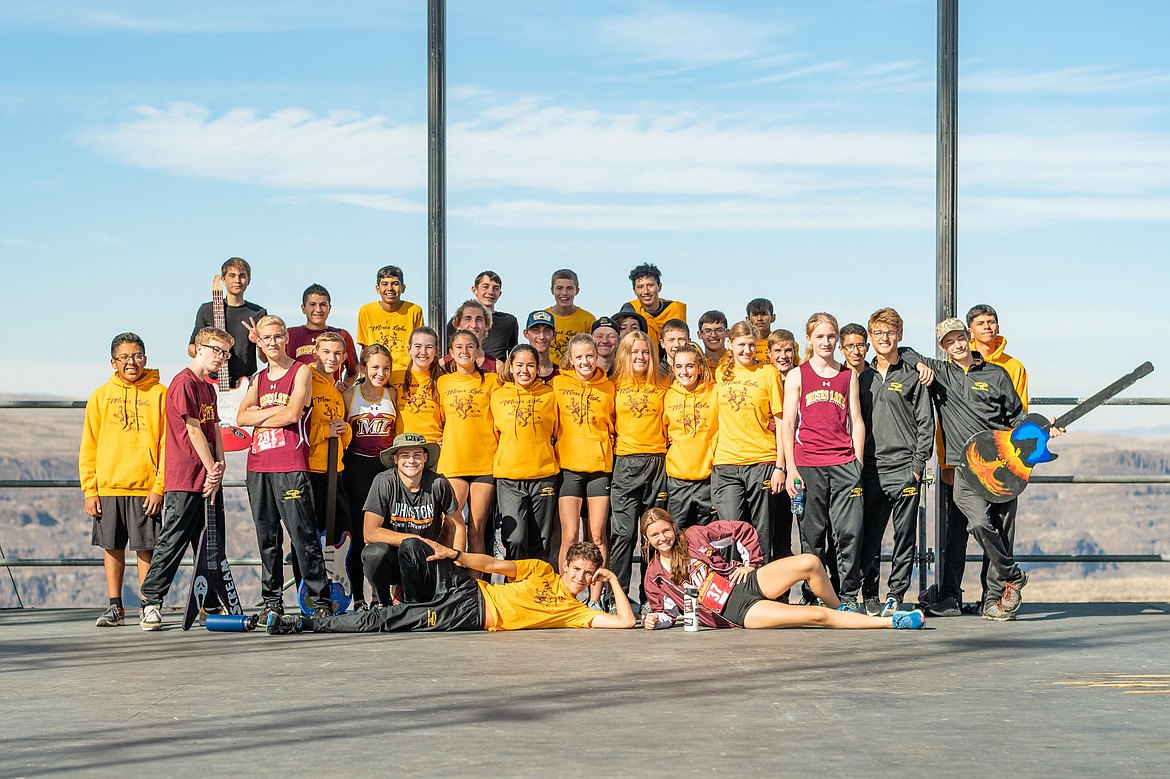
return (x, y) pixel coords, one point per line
(267, 438)
(714, 591)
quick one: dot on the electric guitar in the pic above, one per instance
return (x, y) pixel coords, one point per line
(212, 574)
(997, 464)
(340, 593)
(227, 399)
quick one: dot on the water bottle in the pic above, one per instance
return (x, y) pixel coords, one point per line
(798, 501)
(231, 623)
(690, 608)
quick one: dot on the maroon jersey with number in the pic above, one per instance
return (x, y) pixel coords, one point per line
(822, 431)
(188, 396)
(279, 449)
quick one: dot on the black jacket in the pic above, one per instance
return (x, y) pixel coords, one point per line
(899, 422)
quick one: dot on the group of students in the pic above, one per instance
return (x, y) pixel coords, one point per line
(608, 431)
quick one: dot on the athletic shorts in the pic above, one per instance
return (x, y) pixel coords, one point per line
(575, 484)
(488, 479)
(743, 596)
(124, 525)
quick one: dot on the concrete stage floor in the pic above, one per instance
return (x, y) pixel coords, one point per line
(1067, 690)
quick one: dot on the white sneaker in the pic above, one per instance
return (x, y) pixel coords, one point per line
(151, 617)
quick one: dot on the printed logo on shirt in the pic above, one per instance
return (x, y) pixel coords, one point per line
(207, 413)
(548, 492)
(293, 494)
(894, 386)
(273, 399)
(909, 492)
(126, 412)
(824, 396)
(466, 402)
(736, 397)
(547, 596)
(980, 386)
(854, 493)
(578, 406)
(388, 334)
(637, 401)
(375, 427)
(419, 399)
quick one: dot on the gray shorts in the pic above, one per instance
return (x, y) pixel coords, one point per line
(575, 484)
(124, 525)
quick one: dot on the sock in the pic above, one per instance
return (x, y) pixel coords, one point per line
(116, 602)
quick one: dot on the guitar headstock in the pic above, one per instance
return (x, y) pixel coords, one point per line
(217, 287)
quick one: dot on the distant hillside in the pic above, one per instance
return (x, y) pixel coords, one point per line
(1059, 519)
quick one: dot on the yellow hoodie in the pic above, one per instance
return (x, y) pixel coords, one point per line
(326, 404)
(1014, 367)
(122, 441)
(526, 422)
(585, 444)
(638, 418)
(692, 421)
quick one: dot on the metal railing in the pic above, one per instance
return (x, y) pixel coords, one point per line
(924, 557)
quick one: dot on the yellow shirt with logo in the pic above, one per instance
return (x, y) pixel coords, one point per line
(392, 329)
(746, 404)
(418, 408)
(654, 322)
(638, 407)
(526, 422)
(585, 443)
(469, 438)
(326, 403)
(580, 321)
(692, 422)
(536, 598)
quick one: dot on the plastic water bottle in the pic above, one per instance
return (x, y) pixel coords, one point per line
(690, 608)
(798, 501)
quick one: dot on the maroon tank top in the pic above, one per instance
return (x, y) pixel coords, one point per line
(279, 449)
(822, 431)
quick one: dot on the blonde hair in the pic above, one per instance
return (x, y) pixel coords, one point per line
(271, 319)
(579, 338)
(888, 317)
(785, 337)
(623, 361)
(820, 318)
(727, 361)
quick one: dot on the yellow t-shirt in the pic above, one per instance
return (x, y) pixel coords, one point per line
(672, 310)
(762, 350)
(526, 422)
(746, 403)
(585, 443)
(418, 410)
(638, 407)
(580, 321)
(392, 329)
(692, 422)
(469, 439)
(536, 598)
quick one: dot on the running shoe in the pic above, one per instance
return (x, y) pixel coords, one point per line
(995, 612)
(908, 620)
(851, 606)
(892, 605)
(872, 606)
(279, 625)
(114, 616)
(151, 617)
(1011, 594)
(944, 607)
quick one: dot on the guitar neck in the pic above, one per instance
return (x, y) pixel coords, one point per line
(219, 321)
(1078, 411)
(212, 535)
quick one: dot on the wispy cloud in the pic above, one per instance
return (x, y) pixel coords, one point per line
(530, 163)
(1076, 80)
(687, 37)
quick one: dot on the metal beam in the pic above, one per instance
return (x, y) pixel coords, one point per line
(437, 166)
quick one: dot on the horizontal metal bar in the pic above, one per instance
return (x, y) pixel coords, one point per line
(42, 404)
(1056, 401)
(1140, 479)
(21, 483)
(1083, 558)
(92, 562)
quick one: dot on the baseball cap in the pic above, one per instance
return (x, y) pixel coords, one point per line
(949, 325)
(541, 317)
(622, 315)
(601, 322)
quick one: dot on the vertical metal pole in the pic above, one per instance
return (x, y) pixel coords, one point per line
(946, 262)
(437, 165)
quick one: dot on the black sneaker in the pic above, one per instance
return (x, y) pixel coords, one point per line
(282, 626)
(322, 611)
(269, 608)
(1011, 599)
(872, 606)
(114, 616)
(944, 607)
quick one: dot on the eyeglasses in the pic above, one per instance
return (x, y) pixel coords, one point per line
(126, 359)
(883, 333)
(274, 338)
(713, 331)
(221, 353)
(855, 347)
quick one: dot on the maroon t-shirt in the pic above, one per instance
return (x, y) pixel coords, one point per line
(301, 348)
(822, 432)
(279, 449)
(187, 396)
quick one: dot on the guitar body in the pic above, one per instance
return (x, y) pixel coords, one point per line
(212, 574)
(997, 464)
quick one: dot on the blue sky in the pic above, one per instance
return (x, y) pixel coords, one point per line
(748, 148)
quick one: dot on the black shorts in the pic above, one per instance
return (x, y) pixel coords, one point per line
(123, 524)
(487, 479)
(743, 596)
(575, 484)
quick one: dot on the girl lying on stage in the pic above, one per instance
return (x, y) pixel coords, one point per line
(735, 594)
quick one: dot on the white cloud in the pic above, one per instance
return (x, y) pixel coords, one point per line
(529, 163)
(691, 38)
(1075, 80)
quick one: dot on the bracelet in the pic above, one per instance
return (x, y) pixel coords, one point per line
(781, 468)
(458, 554)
